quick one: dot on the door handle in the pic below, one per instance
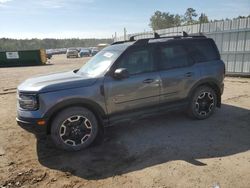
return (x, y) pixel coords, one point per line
(148, 81)
(189, 74)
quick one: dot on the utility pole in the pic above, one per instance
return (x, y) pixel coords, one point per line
(125, 34)
(200, 20)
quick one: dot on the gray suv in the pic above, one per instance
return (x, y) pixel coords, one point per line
(125, 81)
(72, 52)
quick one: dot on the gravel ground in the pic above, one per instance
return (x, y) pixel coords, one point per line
(164, 151)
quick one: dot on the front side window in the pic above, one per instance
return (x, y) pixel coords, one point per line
(173, 56)
(137, 61)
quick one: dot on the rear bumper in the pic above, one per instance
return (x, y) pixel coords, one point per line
(222, 88)
(219, 95)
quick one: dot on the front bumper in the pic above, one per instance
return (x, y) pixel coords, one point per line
(31, 125)
(72, 55)
(26, 121)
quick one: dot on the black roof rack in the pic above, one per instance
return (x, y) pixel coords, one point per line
(158, 36)
(184, 34)
(132, 38)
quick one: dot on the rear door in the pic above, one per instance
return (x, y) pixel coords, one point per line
(177, 72)
(138, 92)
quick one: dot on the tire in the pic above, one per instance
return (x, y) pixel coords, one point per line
(203, 103)
(74, 129)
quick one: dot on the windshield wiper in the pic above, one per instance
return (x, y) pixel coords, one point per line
(75, 71)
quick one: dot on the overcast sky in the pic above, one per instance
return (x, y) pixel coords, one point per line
(99, 18)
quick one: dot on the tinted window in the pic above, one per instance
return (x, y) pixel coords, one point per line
(173, 56)
(138, 61)
(203, 50)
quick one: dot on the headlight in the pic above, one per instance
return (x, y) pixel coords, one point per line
(28, 101)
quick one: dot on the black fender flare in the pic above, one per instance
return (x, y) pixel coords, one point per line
(211, 82)
(89, 104)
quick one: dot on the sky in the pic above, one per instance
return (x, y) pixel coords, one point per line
(99, 18)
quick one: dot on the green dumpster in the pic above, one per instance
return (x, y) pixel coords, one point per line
(23, 58)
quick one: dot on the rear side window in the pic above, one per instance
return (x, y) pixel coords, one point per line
(173, 56)
(203, 50)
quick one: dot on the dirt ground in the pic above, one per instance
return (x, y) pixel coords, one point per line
(164, 151)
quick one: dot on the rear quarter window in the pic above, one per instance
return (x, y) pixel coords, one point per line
(203, 50)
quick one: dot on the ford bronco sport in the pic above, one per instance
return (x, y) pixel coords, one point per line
(126, 80)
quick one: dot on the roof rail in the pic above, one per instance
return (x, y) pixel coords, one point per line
(132, 38)
(184, 34)
(158, 36)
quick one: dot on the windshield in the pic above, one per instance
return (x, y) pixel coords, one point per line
(99, 63)
(71, 50)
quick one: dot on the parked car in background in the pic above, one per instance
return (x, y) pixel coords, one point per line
(49, 55)
(84, 53)
(72, 52)
(94, 51)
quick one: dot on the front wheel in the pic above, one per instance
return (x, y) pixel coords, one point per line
(203, 103)
(74, 129)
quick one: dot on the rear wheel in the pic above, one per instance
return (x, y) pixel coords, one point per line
(203, 103)
(74, 129)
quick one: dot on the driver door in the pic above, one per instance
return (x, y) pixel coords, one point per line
(140, 90)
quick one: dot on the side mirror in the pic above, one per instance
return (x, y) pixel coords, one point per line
(121, 73)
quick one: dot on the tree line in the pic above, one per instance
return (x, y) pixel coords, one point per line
(31, 44)
(163, 20)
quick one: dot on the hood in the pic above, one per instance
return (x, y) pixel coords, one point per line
(57, 81)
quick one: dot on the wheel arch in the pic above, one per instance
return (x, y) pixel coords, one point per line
(210, 82)
(90, 105)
